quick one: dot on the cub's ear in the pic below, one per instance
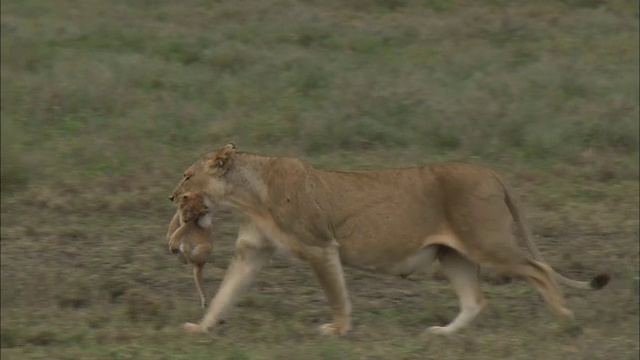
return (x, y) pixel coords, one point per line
(223, 157)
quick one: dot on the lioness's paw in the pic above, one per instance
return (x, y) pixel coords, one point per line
(193, 328)
(332, 329)
(440, 330)
(567, 313)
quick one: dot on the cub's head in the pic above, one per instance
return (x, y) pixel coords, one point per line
(207, 174)
(192, 206)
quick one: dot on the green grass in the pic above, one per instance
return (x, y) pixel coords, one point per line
(104, 104)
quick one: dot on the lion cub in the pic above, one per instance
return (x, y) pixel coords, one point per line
(190, 235)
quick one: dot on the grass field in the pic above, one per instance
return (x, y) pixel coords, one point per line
(105, 103)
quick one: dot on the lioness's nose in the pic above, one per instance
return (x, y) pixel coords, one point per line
(171, 198)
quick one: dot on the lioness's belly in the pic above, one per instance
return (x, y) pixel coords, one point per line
(398, 261)
(392, 243)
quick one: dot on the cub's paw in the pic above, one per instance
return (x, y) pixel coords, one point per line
(333, 329)
(174, 248)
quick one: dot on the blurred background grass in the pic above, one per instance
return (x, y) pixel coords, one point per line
(102, 87)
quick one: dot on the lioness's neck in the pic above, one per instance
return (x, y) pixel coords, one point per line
(246, 176)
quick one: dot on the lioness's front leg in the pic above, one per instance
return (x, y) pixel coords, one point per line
(252, 253)
(327, 267)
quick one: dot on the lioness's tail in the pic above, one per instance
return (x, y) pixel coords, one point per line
(597, 282)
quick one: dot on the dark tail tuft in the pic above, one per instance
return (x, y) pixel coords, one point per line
(599, 281)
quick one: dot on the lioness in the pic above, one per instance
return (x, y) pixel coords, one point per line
(190, 235)
(393, 221)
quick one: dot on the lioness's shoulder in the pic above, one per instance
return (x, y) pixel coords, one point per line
(286, 169)
(458, 169)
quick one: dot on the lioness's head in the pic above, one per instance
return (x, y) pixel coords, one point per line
(206, 175)
(192, 206)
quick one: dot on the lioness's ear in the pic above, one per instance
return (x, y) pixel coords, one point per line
(223, 158)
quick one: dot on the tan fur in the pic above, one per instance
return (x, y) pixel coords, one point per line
(392, 221)
(190, 236)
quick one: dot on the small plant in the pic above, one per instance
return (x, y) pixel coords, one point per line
(98, 321)
(141, 307)
(14, 172)
(42, 337)
(333, 350)
(9, 337)
(76, 294)
(115, 287)
(238, 354)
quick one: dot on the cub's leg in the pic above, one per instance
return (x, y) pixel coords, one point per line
(173, 225)
(174, 241)
(327, 267)
(183, 258)
(185, 252)
(199, 257)
(252, 252)
(464, 277)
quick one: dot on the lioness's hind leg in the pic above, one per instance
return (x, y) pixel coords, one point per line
(535, 272)
(463, 275)
(541, 277)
